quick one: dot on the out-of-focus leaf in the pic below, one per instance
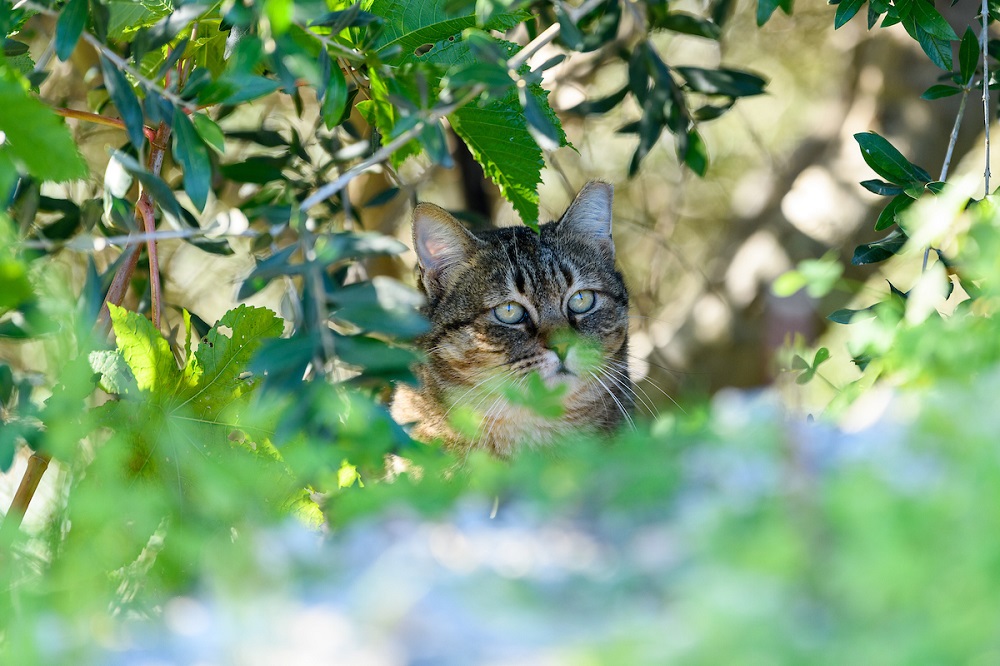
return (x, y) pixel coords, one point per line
(28, 124)
(121, 93)
(161, 192)
(888, 215)
(335, 98)
(730, 82)
(69, 27)
(381, 305)
(145, 351)
(257, 169)
(193, 156)
(696, 156)
(882, 188)
(210, 132)
(689, 24)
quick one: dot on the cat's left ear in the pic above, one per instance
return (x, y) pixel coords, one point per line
(589, 216)
(442, 244)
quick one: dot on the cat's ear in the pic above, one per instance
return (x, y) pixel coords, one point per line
(441, 243)
(589, 216)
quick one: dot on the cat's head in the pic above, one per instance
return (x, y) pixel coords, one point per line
(507, 302)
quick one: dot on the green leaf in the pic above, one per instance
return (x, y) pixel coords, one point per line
(937, 48)
(15, 289)
(128, 16)
(888, 215)
(412, 27)
(209, 132)
(968, 56)
(846, 10)
(69, 27)
(888, 162)
(690, 24)
(192, 153)
(116, 376)
(258, 169)
(145, 351)
(28, 124)
(219, 375)
(335, 97)
(928, 19)
(696, 156)
(881, 188)
(880, 250)
(846, 316)
(730, 82)
(382, 305)
(376, 357)
(121, 93)
(940, 90)
(765, 9)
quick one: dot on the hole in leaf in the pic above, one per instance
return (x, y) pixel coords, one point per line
(423, 49)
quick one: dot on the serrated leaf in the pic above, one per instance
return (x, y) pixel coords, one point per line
(145, 351)
(193, 157)
(115, 375)
(846, 10)
(127, 16)
(968, 56)
(888, 162)
(888, 215)
(412, 27)
(223, 356)
(69, 27)
(124, 99)
(28, 124)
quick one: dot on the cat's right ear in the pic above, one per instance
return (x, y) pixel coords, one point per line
(441, 243)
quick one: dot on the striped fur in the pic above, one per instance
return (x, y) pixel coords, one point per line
(472, 357)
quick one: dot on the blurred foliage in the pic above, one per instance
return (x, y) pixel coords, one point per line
(175, 455)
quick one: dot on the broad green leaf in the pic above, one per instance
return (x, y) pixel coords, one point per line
(223, 357)
(121, 93)
(145, 351)
(115, 375)
(192, 154)
(968, 56)
(938, 49)
(127, 16)
(412, 27)
(888, 162)
(70, 26)
(888, 215)
(846, 10)
(15, 289)
(28, 124)
(940, 90)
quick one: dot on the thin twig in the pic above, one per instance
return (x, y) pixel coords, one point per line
(100, 242)
(954, 132)
(983, 48)
(98, 119)
(37, 464)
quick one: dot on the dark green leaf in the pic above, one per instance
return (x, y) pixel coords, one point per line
(6, 384)
(880, 250)
(542, 129)
(257, 169)
(120, 91)
(940, 90)
(968, 56)
(730, 82)
(882, 188)
(433, 141)
(267, 269)
(13, 48)
(696, 156)
(928, 19)
(690, 24)
(335, 97)
(374, 356)
(351, 17)
(888, 215)
(192, 153)
(846, 316)
(765, 9)
(846, 10)
(888, 162)
(600, 105)
(69, 27)
(936, 48)
(382, 305)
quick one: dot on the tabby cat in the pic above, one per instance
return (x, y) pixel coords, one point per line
(504, 303)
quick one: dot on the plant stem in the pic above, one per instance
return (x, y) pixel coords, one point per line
(98, 119)
(37, 464)
(983, 48)
(954, 132)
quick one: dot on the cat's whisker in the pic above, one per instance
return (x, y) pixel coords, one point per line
(618, 402)
(498, 402)
(622, 380)
(490, 376)
(666, 369)
(659, 388)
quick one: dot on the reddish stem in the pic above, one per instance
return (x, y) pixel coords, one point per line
(37, 464)
(98, 119)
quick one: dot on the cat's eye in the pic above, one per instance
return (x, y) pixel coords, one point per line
(509, 313)
(582, 301)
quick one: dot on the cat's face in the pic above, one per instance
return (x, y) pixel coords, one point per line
(508, 302)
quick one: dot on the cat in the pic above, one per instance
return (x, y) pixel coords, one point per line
(506, 302)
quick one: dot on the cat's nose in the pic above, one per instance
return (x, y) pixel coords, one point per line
(561, 341)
